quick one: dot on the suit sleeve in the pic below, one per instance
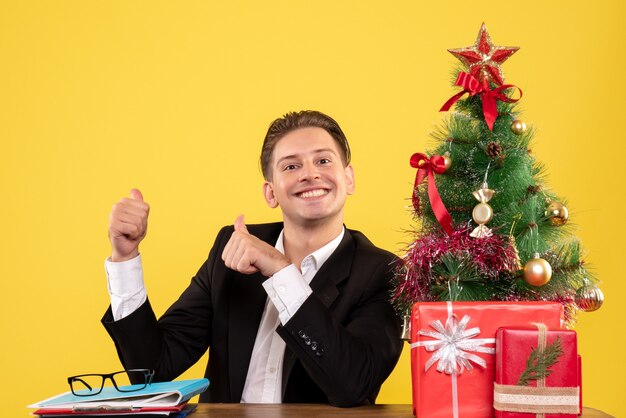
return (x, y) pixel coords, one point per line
(349, 361)
(173, 343)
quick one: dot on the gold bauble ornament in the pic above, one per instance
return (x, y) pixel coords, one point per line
(557, 213)
(518, 127)
(537, 271)
(589, 297)
(447, 161)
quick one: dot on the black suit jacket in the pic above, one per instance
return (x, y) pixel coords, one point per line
(341, 344)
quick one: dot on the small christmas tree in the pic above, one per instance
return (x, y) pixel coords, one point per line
(490, 227)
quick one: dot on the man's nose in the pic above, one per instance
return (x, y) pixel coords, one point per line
(309, 171)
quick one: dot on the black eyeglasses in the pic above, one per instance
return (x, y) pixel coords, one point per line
(125, 381)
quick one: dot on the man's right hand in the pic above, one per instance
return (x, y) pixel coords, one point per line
(247, 254)
(128, 224)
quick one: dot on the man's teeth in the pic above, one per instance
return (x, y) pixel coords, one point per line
(313, 193)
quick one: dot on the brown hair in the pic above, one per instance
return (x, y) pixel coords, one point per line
(296, 120)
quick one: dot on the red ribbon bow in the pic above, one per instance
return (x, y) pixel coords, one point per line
(427, 167)
(472, 86)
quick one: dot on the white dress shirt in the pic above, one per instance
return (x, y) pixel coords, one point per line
(287, 289)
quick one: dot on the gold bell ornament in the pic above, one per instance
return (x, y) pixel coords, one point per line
(406, 327)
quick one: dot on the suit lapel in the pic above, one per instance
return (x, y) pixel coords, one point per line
(335, 270)
(324, 286)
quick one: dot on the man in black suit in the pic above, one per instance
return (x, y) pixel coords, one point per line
(296, 311)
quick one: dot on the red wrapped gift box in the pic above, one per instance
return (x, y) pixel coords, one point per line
(557, 396)
(453, 352)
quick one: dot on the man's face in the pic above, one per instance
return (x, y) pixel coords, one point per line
(309, 181)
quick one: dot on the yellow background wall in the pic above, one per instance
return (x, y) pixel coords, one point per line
(97, 97)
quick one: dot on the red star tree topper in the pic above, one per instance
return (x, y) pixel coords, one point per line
(483, 59)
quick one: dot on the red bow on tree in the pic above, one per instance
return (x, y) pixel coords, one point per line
(427, 167)
(472, 86)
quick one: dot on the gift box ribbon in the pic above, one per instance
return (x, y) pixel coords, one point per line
(452, 346)
(537, 400)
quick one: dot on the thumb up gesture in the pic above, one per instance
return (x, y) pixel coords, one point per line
(247, 254)
(240, 225)
(128, 224)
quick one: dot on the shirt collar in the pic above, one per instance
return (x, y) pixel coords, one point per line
(319, 256)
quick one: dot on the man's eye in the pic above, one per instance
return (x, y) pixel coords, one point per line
(290, 167)
(325, 161)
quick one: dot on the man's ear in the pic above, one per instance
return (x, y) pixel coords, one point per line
(350, 185)
(268, 192)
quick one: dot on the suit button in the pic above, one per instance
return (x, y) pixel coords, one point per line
(314, 345)
(319, 352)
(301, 334)
(307, 341)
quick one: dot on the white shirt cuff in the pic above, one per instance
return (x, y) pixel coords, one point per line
(126, 287)
(287, 290)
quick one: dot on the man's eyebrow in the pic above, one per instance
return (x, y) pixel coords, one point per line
(317, 151)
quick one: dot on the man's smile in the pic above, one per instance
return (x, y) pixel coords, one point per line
(312, 193)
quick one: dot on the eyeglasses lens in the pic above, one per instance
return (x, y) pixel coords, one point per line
(86, 385)
(131, 380)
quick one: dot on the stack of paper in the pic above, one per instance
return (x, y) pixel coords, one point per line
(158, 399)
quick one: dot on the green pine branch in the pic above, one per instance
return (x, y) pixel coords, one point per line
(539, 363)
(455, 278)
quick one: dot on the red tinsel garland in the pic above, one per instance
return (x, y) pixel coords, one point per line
(490, 256)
